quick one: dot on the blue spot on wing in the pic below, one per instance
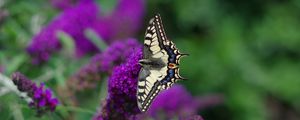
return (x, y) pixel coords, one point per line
(172, 55)
(170, 75)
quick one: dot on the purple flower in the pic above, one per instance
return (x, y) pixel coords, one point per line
(121, 101)
(42, 99)
(72, 21)
(124, 21)
(167, 105)
(172, 106)
(89, 75)
(117, 53)
(173, 103)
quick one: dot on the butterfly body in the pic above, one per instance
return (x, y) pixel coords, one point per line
(160, 64)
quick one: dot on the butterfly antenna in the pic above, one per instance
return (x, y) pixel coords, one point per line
(183, 78)
(184, 54)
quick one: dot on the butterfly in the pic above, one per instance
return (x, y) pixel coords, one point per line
(160, 64)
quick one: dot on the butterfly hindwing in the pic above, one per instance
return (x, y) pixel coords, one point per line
(148, 88)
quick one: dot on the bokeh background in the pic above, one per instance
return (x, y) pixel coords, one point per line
(245, 52)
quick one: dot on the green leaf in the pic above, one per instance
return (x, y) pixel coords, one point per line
(15, 63)
(96, 39)
(16, 111)
(67, 42)
(107, 6)
(58, 73)
(103, 89)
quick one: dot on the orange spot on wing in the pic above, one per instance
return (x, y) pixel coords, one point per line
(171, 65)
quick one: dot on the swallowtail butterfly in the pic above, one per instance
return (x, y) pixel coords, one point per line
(159, 64)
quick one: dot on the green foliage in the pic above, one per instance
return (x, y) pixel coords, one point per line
(96, 39)
(247, 57)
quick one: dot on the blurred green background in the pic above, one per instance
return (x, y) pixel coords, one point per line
(246, 51)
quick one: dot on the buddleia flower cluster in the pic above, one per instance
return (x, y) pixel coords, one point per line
(42, 99)
(121, 101)
(100, 66)
(77, 18)
(102, 63)
(72, 21)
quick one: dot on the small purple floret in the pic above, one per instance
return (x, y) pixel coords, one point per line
(89, 75)
(42, 99)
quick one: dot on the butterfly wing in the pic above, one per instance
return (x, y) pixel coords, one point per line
(152, 80)
(148, 88)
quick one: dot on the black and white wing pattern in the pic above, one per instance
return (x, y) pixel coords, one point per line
(159, 64)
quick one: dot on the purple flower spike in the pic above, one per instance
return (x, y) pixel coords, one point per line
(117, 53)
(124, 21)
(23, 83)
(88, 76)
(130, 12)
(121, 102)
(72, 21)
(42, 100)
